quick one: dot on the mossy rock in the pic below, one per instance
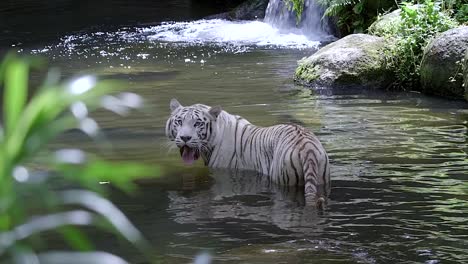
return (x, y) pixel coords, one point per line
(355, 60)
(386, 25)
(441, 68)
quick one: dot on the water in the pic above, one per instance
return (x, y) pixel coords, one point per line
(311, 23)
(278, 29)
(24, 22)
(223, 32)
(399, 162)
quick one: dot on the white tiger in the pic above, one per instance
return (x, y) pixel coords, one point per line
(288, 154)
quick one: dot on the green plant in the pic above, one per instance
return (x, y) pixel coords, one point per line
(29, 205)
(354, 16)
(419, 24)
(461, 14)
(297, 6)
(458, 9)
(349, 14)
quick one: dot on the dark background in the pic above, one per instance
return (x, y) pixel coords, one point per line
(24, 22)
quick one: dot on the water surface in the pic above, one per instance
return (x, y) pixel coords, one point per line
(399, 162)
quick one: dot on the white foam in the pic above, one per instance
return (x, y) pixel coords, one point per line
(220, 31)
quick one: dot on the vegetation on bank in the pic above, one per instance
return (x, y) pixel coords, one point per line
(408, 32)
(457, 9)
(355, 16)
(417, 25)
(31, 208)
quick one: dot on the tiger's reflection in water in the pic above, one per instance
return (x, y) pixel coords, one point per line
(237, 196)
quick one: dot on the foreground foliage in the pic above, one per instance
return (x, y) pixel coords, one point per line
(29, 206)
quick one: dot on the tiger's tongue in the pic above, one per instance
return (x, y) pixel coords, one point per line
(188, 155)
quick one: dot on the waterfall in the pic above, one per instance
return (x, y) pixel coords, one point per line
(278, 30)
(311, 24)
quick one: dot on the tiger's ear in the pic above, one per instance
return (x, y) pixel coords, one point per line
(174, 104)
(215, 111)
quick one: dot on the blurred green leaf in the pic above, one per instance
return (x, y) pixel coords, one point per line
(75, 238)
(109, 212)
(4, 221)
(16, 89)
(27, 128)
(44, 223)
(95, 257)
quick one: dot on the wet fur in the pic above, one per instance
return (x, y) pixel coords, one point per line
(289, 154)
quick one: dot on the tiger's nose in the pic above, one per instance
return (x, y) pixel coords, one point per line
(186, 138)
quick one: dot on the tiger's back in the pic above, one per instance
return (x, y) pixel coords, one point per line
(289, 154)
(300, 159)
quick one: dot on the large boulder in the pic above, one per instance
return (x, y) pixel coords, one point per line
(441, 67)
(249, 10)
(353, 61)
(387, 24)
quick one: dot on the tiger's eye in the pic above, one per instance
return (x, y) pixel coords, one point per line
(197, 124)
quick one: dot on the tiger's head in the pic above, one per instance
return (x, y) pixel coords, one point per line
(192, 128)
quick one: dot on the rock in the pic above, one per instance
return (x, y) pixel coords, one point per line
(386, 25)
(465, 74)
(249, 10)
(389, 24)
(353, 61)
(441, 68)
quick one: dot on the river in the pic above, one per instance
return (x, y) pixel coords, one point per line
(399, 159)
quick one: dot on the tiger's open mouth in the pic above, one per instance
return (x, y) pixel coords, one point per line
(189, 155)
